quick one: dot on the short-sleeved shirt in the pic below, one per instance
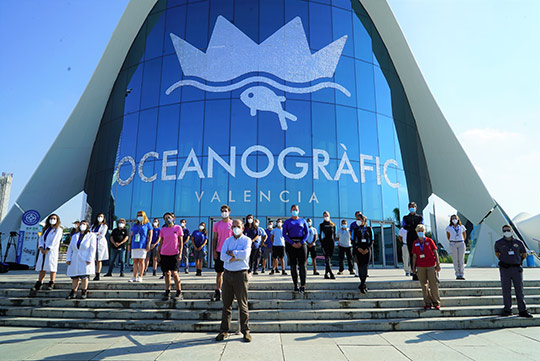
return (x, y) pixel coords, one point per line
(268, 242)
(261, 233)
(198, 239)
(185, 237)
(140, 235)
(252, 232)
(354, 225)
(118, 235)
(279, 240)
(311, 235)
(169, 235)
(510, 250)
(155, 236)
(456, 233)
(224, 231)
(425, 252)
(344, 238)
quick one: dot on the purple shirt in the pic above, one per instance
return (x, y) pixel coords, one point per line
(295, 228)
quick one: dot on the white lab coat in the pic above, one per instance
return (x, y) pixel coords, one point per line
(79, 256)
(102, 244)
(49, 263)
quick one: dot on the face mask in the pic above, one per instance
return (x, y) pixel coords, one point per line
(279, 224)
(326, 219)
(224, 214)
(100, 219)
(237, 231)
(412, 210)
(140, 218)
(183, 225)
(168, 220)
(454, 221)
(156, 224)
(121, 225)
(250, 220)
(420, 234)
(344, 226)
(358, 223)
(201, 228)
(270, 226)
(52, 221)
(82, 227)
(309, 224)
(508, 234)
(294, 213)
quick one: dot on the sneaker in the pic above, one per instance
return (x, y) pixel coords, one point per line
(332, 277)
(178, 295)
(426, 307)
(506, 313)
(283, 273)
(407, 274)
(83, 294)
(326, 276)
(36, 287)
(302, 289)
(315, 273)
(186, 271)
(438, 308)
(415, 277)
(96, 278)
(222, 336)
(461, 278)
(362, 289)
(217, 296)
(262, 271)
(122, 274)
(162, 277)
(296, 289)
(247, 337)
(139, 280)
(166, 296)
(525, 314)
(50, 285)
(71, 295)
(133, 280)
(154, 273)
(255, 273)
(108, 275)
(272, 272)
(352, 273)
(340, 273)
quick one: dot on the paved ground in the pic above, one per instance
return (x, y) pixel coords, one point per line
(61, 344)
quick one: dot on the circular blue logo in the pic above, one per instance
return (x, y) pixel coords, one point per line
(30, 218)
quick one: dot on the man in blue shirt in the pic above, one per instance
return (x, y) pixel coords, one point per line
(295, 232)
(267, 246)
(312, 245)
(185, 240)
(235, 254)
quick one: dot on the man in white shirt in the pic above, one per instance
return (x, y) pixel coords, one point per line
(402, 235)
(235, 253)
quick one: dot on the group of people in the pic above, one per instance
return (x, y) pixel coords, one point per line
(238, 249)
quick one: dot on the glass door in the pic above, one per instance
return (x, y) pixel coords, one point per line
(384, 251)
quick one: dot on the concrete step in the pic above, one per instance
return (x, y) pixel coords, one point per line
(263, 304)
(255, 315)
(259, 294)
(416, 324)
(268, 283)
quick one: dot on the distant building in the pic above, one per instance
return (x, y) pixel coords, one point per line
(5, 189)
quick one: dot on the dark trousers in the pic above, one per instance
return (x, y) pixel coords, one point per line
(254, 258)
(116, 253)
(297, 257)
(235, 284)
(328, 251)
(345, 251)
(515, 275)
(363, 263)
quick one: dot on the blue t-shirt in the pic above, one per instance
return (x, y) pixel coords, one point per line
(155, 236)
(261, 233)
(268, 243)
(311, 235)
(185, 238)
(198, 239)
(278, 237)
(140, 235)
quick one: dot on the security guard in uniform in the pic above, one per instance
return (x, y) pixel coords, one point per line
(511, 252)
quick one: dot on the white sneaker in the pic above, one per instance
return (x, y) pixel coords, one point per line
(133, 280)
(139, 279)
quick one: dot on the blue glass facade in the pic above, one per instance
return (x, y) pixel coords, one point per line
(353, 145)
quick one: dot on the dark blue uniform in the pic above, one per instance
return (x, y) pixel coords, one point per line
(510, 260)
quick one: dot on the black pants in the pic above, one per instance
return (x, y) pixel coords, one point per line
(328, 251)
(254, 258)
(345, 251)
(363, 263)
(297, 257)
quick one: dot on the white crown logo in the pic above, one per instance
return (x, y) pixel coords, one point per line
(285, 54)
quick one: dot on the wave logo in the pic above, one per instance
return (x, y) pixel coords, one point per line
(285, 54)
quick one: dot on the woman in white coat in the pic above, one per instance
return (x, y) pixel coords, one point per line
(48, 247)
(80, 259)
(100, 228)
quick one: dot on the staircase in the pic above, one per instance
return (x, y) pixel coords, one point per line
(327, 306)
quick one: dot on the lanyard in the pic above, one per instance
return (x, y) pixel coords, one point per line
(422, 245)
(46, 234)
(79, 241)
(457, 229)
(363, 230)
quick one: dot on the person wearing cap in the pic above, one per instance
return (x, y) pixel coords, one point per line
(456, 233)
(410, 221)
(235, 252)
(511, 252)
(425, 264)
(118, 239)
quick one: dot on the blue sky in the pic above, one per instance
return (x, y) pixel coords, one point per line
(480, 59)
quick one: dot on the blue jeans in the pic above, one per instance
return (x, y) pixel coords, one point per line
(116, 253)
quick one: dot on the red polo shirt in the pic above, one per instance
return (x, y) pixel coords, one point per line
(425, 252)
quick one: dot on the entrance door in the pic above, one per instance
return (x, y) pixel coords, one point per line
(384, 251)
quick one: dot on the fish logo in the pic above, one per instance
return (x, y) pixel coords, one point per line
(231, 54)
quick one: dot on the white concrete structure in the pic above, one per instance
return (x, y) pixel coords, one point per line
(5, 189)
(463, 190)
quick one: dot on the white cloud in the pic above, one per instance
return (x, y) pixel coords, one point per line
(509, 164)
